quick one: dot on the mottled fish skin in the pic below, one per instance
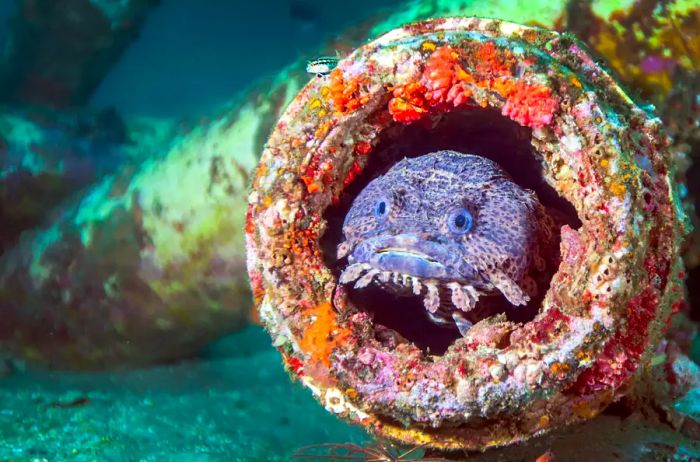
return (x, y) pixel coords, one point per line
(445, 222)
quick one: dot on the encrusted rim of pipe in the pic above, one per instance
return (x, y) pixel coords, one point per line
(607, 306)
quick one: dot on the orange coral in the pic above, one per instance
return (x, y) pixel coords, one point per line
(303, 236)
(492, 61)
(445, 79)
(531, 105)
(440, 74)
(316, 174)
(444, 83)
(504, 86)
(408, 103)
(323, 335)
(345, 94)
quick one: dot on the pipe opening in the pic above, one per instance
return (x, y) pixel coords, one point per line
(484, 132)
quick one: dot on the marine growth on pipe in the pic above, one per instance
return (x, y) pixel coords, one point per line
(564, 288)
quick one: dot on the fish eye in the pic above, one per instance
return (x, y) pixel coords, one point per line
(381, 209)
(459, 220)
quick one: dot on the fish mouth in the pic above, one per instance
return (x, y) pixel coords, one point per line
(412, 255)
(406, 253)
(409, 261)
(408, 264)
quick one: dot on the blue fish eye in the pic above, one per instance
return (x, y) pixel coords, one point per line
(381, 209)
(459, 220)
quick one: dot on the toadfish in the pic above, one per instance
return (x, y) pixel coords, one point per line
(449, 227)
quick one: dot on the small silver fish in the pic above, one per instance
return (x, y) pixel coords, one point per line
(322, 66)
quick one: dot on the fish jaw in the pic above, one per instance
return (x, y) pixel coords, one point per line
(414, 256)
(407, 263)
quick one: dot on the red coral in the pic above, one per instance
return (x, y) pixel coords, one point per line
(621, 354)
(543, 328)
(443, 82)
(444, 79)
(249, 226)
(256, 284)
(295, 365)
(531, 105)
(439, 74)
(355, 170)
(492, 61)
(408, 103)
(311, 175)
(345, 94)
(363, 148)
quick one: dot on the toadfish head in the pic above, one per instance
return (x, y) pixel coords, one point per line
(444, 222)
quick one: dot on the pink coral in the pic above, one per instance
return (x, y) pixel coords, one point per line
(444, 79)
(531, 105)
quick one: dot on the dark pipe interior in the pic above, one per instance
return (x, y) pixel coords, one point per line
(476, 131)
(693, 281)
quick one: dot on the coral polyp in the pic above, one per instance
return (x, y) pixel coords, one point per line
(535, 102)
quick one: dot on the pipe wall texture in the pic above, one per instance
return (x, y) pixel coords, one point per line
(47, 156)
(619, 282)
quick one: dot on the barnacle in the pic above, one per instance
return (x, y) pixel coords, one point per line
(539, 105)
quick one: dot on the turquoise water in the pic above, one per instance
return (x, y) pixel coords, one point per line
(188, 60)
(235, 403)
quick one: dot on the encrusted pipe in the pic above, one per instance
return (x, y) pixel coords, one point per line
(539, 105)
(148, 265)
(46, 157)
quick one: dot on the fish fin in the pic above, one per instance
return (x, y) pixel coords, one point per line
(343, 250)
(365, 280)
(352, 272)
(438, 318)
(512, 291)
(463, 324)
(463, 297)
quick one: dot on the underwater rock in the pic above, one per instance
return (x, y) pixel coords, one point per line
(147, 265)
(59, 51)
(535, 102)
(605, 438)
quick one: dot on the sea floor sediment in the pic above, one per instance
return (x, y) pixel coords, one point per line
(234, 403)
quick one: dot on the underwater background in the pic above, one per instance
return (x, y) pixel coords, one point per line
(95, 97)
(233, 401)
